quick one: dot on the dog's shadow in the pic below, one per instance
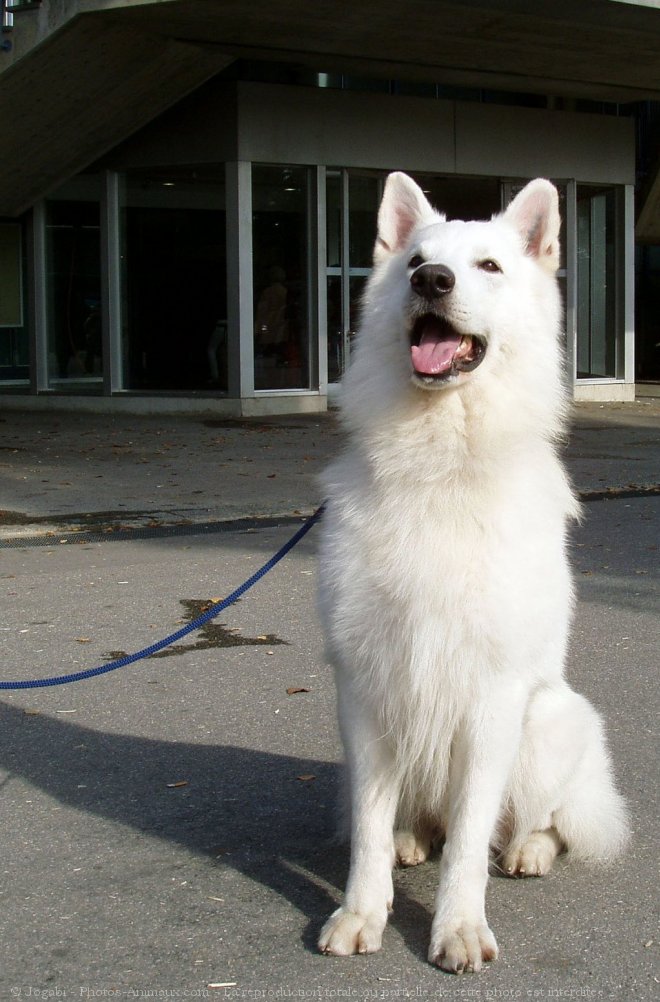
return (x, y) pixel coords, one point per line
(271, 817)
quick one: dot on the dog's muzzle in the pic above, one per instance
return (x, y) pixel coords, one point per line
(438, 350)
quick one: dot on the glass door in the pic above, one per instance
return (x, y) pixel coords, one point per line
(352, 201)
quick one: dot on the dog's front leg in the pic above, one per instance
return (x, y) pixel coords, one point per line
(482, 757)
(357, 927)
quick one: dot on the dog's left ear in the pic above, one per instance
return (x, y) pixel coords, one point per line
(404, 207)
(535, 214)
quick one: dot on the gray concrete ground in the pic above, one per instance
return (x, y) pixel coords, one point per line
(62, 470)
(167, 827)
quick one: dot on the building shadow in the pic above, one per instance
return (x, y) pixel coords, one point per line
(270, 817)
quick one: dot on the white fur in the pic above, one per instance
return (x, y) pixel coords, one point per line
(445, 588)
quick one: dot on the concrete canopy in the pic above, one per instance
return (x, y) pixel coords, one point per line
(88, 73)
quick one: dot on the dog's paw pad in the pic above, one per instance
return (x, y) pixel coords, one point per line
(348, 932)
(462, 948)
(410, 849)
(534, 858)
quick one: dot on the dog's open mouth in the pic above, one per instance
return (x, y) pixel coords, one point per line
(438, 350)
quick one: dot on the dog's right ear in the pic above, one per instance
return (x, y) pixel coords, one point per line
(403, 208)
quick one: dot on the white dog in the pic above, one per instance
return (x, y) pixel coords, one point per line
(445, 589)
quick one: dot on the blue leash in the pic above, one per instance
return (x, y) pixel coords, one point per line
(214, 610)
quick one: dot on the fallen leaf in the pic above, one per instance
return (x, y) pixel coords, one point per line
(306, 777)
(294, 689)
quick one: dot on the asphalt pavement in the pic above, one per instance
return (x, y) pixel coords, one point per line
(168, 828)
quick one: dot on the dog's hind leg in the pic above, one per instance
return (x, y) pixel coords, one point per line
(413, 846)
(534, 858)
(562, 793)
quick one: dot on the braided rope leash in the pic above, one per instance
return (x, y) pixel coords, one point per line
(210, 613)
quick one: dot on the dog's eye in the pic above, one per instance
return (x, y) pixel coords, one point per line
(489, 265)
(415, 261)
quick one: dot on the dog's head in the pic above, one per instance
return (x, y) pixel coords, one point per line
(462, 290)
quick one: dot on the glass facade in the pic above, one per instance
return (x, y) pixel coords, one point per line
(222, 249)
(169, 324)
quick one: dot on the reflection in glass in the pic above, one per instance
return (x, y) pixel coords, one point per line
(596, 284)
(281, 277)
(174, 279)
(73, 288)
(14, 350)
(351, 211)
(336, 348)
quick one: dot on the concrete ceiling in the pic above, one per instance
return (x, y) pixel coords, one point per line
(595, 48)
(111, 67)
(82, 91)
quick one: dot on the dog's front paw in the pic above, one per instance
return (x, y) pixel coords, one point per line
(463, 946)
(348, 932)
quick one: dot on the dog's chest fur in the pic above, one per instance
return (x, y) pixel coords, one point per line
(429, 526)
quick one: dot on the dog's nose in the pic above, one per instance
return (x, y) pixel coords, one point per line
(432, 280)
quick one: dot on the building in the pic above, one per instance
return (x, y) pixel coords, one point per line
(188, 188)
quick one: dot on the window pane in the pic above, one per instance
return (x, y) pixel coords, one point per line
(597, 284)
(336, 347)
(363, 199)
(73, 288)
(14, 352)
(174, 280)
(11, 299)
(281, 277)
(351, 213)
(333, 220)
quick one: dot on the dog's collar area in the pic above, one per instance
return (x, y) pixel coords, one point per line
(439, 351)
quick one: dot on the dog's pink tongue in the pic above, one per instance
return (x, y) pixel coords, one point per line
(435, 352)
